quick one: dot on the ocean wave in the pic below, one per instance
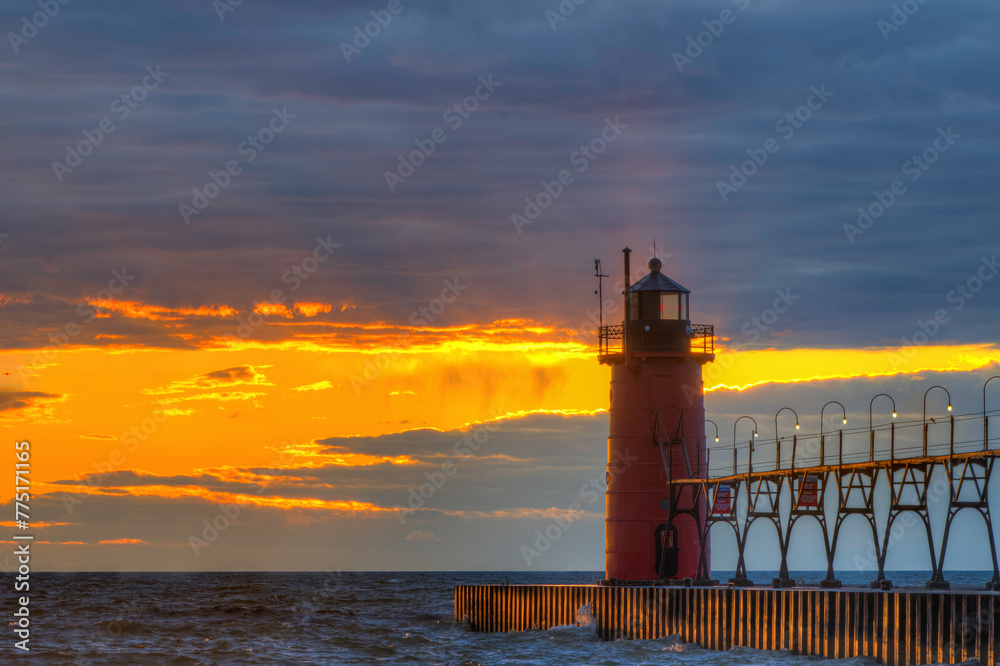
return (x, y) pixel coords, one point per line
(123, 627)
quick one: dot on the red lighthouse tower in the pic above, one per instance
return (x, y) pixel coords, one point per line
(656, 432)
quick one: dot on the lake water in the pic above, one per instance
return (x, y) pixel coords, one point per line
(334, 618)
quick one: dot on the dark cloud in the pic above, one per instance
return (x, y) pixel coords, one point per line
(12, 399)
(235, 373)
(241, 375)
(323, 175)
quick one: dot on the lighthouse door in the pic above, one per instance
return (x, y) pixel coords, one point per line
(664, 538)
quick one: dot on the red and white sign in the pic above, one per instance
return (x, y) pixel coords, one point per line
(809, 494)
(723, 500)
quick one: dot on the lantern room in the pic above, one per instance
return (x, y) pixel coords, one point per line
(658, 313)
(657, 297)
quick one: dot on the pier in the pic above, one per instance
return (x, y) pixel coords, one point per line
(839, 483)
(895, 627)
(825, 481)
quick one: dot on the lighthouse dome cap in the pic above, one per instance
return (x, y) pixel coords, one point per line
(657, 281)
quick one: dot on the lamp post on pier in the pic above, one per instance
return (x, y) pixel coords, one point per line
(708, 451)
(750, 452)
(777, 438)
(925, 412)
(871, 431)
(937, 581)
(822, 437)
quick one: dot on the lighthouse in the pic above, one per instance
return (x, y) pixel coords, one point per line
(657, 528)
(656, 431)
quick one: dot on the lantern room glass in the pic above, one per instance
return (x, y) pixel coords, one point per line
(673, 305)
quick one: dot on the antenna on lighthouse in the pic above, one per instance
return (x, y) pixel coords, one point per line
(628, 300)
(600, 289)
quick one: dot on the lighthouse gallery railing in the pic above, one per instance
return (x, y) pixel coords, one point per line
(701, 338)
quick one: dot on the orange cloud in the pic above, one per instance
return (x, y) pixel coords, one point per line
(313, 309)
(225, 378)
(318, 386)
(120, 541)
(137, 310)
(11, 399)
(279, 309)
(54, 543)
(338, 507)
(313, 455)
(222, 396)
(35, 407)
(177, 412)
(35, 524)
(546, 344)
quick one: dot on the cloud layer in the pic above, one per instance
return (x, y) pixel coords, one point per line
(323, 175)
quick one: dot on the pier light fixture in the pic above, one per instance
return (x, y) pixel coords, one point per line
(948, 393)
(714, 426)
(823, 409)
(822, 438)
(777, 436)
(871, 429)
(750, 442)
(738, 422)
(931, 389)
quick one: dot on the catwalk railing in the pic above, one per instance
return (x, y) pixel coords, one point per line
(831, 476)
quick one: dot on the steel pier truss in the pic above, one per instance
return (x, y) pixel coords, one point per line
(878, 491)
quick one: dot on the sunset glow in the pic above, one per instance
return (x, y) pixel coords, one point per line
(254, 254)
(196, 411)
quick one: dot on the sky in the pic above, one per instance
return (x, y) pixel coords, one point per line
(264, 274)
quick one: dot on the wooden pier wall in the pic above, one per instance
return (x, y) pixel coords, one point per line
(894, 627)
